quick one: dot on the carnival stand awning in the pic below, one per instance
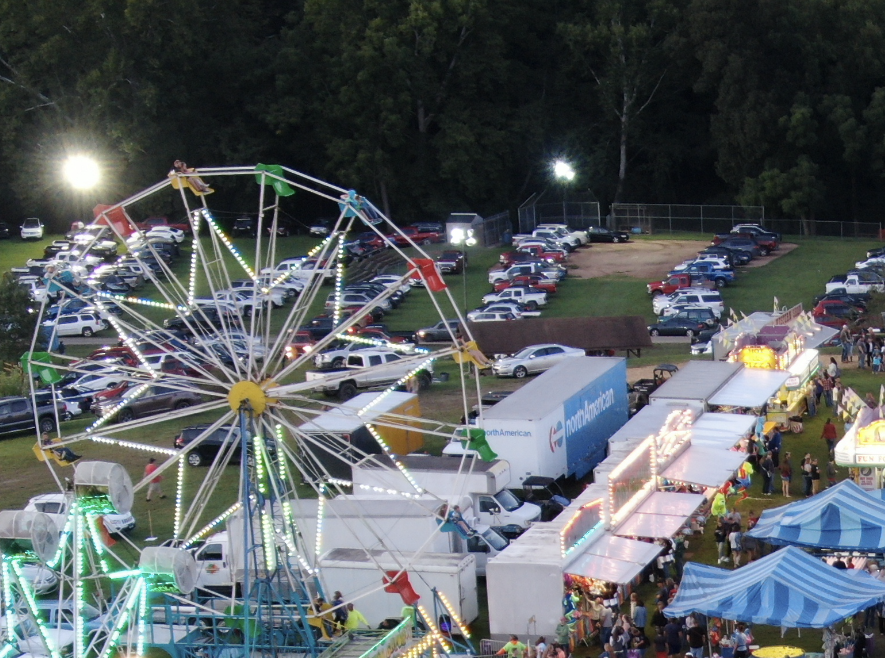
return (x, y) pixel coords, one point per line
(864, 444)
(750, 388)
(786, 588)
(661, 515)
(614, 559)
(707, 467)
(842, 517)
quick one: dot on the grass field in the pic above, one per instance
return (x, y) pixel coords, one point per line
(796, 277)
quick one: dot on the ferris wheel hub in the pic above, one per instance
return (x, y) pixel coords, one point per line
(250, 392)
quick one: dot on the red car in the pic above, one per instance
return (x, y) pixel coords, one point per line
(124, 354)
(836, 308)
(829, 321)
(509, 258)
(302, 344)
(154, 222)
(378, 334)
(418, 236)
(528, 281)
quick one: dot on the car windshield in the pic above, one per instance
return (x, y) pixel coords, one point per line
(524, 353)
(507, 500)
(31, 223)
(494, 539)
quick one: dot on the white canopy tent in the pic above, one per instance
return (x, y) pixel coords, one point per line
(750, 388)
(703, 466)
(614, 559)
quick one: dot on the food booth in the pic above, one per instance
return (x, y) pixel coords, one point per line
(604, 541)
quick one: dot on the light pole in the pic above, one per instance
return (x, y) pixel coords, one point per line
(463, 237)
(83, 174)
(564, 173)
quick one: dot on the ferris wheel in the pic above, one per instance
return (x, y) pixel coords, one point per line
(218, 339)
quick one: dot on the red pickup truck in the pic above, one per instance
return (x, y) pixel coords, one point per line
(528, 280)
(544, 254)
(418, 236)
(676, 282)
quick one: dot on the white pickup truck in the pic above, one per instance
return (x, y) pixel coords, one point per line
(857, 282)
(367, 369)
(531, 298)
(547, 271)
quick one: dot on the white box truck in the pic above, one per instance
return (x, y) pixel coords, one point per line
(393, 524)
(558, 425)
(485, 483)
(359, 575)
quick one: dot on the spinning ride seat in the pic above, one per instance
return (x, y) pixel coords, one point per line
(44, 453)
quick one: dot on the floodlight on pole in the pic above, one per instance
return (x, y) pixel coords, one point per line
(563, 170)
(81, 172)
(463, 237)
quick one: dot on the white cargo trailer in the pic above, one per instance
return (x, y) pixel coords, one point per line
(358, 575)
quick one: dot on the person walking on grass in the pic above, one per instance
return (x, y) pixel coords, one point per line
(829, 434)
(154, 485)
(815, 477)
(767, 468)
(831, 473)
(786, 474)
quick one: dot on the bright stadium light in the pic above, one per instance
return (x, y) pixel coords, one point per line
(81, 172)
(563, 170)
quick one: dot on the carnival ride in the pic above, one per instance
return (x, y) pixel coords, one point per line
(236, 360)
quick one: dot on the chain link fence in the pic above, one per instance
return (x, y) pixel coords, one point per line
(494, 228)
(577, 214)
(667, 218)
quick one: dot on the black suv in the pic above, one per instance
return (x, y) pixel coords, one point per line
(17, 415)
(209, 448)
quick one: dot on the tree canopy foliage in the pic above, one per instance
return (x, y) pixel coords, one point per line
(432, 106)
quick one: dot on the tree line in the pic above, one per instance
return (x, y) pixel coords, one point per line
(433, 106)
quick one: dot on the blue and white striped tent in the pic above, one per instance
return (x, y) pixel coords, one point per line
(786, 588)
(842, 517)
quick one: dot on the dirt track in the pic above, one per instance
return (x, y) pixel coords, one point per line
(644, 259)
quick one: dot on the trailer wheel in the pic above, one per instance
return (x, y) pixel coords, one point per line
(346, 391)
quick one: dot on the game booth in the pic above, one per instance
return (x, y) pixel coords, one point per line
(863, 448)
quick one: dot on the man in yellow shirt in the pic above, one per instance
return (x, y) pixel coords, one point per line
(354, 619)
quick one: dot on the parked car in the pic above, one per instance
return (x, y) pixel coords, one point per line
(531, 297)
(451, 261)
(211, 445)
(602, 234)
(166, 232)
(17, 415)
(677, 325)
(5, 231)
(534, 359)
(155, 400)
(734, 255)
(859, 300)
(496, 316)
(836, 308)
(438, 332)
(59, 504)
(335, 356)
(78, 324)
(152, 222)
(418, 236)
(519, 310)
(31, 229)
(755, 229)
(700, 313)
(709, 298)
(321, 228)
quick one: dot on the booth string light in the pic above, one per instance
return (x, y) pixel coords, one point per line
(206, 529)
(454, 615)
(565, 550)
(179, 495)
(638, 453)
(389, 453)
(390, 389)
(227, 243)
